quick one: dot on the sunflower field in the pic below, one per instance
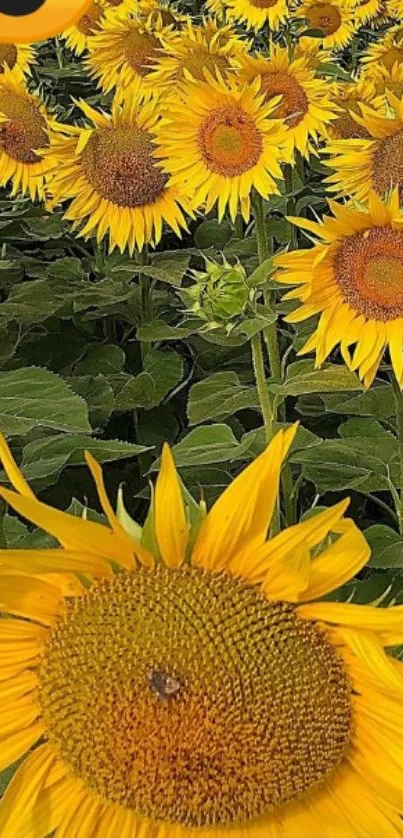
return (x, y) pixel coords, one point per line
(201, 422)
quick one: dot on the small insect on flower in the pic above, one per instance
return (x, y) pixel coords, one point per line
(164, 686)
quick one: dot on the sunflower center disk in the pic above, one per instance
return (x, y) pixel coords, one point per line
(25, 129)
(324, 17)
(369, 271)
(263, 4)
(118, 163)
(229, 141)
(8, 55)
(387, 164)
(389, 58)
(199, 60)
(188, 697)
(294, 103)
(90, 22)
(140, 50)
(345, 127)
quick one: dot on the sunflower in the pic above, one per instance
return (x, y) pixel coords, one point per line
(388, 80)
(77, 36)
(109, 173)
(360, 165)
(353, 278)
(161, 13)
(349, 98)
(17, 57)
(305, 105)
(198, 49)
(335, 18)
(119, 8)
(384, 16)
(125, 52)
(383, 54)
(312, 52)
(257, 13)
(24, 130)
(228, 144)
(196, 691)
(367, 10)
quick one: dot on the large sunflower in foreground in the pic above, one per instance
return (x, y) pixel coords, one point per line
(353, 278)
(196, 691)
(335, 18)
(109, 173)
(360, 165)
(349, 98)
(257, 13)
(306, 102)
(220, 141)
(198, 49)
(77, 37)
(125, 51)
(24, 131)
(17, 57)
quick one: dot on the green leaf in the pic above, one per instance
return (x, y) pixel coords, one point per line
(163, 370)
(208, 444)
(101, 358)
(33, 398)
(157, 330)
(219, 395)
(386, 546)
(302, 378)
(378, 402)
(213, 234)
(167, 267)
(261, 274)
(98, 393)
(45, 458)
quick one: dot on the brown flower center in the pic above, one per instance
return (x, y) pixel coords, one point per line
(200, 59)
(345, 127)
(90, 23)
(387, 164)
(188, 697)
(294, 104)
(229, 141)
(263, 4)
(391, 56)
(369, 272)
(324, 16)
(25, 129)
(118, 163)
(8, 56)
(141, 49)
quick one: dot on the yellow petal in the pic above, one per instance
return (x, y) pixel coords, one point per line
(240, 518)
(339, 563)
(46, 814)
(28, 597)
(58, 560)
(285, 581)
(74, 532)
(16, 746)
(82, 820)
(15, 687)
(171, 527)
(132, 546)
(24, 788)
(365, 617)
(13, 472)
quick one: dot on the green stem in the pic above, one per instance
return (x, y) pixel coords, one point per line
(146, 298)
(399, 425)
(289, 188)
(239, 229)
(260, 378)
(270, 331)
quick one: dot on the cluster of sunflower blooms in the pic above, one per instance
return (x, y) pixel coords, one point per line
(193, 678)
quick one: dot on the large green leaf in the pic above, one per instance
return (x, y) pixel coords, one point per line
(386, 546)
(208, 444)
(302, 377)
(35, 398)
(219, 395)
(163, 370)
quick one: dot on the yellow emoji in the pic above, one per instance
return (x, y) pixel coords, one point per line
(26, 21)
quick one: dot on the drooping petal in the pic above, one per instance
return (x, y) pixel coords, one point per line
(13, 472)
(24, 789)
(339, 563)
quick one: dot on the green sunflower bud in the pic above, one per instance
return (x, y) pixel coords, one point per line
(220, 292)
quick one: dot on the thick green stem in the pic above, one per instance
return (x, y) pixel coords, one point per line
(399, 425)
(289, 188)
(262, 391)
(270, 332)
